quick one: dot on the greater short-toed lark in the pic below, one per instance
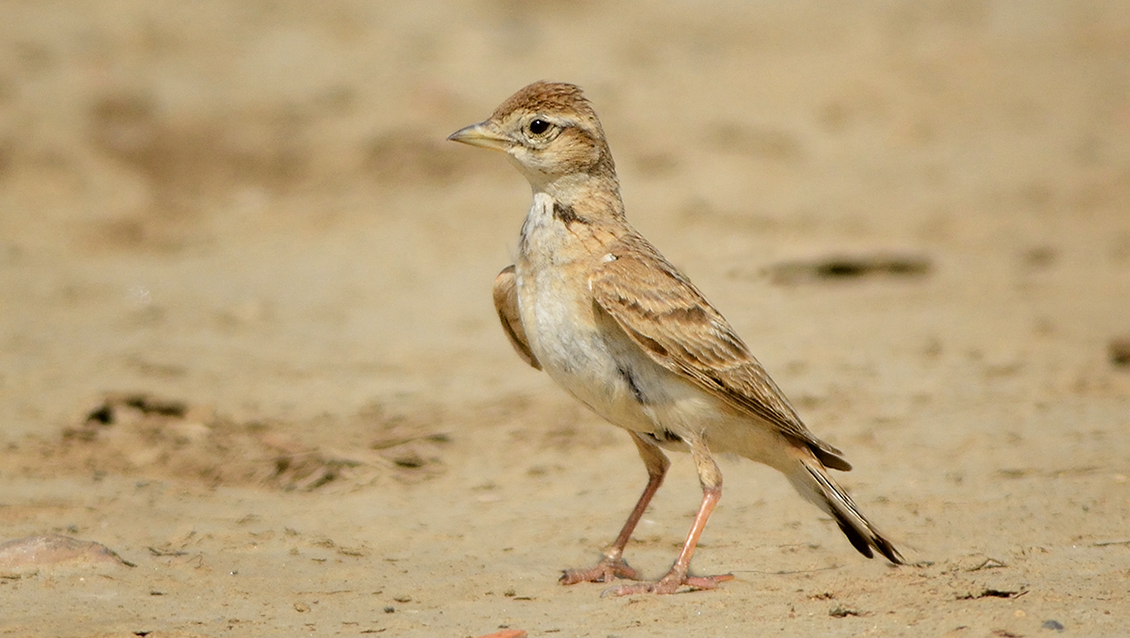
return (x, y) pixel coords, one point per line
(596, 306)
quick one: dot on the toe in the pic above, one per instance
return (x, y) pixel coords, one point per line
(670, 584)
(605, 571)
(706, 582)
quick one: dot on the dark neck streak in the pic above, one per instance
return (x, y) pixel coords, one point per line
(586, 198)
(565, 214)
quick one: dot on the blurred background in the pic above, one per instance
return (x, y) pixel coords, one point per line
(242, 272)
(254, 200)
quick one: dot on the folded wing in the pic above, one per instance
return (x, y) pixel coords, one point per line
(506, 303)
(667, 317)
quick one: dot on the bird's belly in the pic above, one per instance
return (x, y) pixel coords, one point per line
(580, 357)
(601, 367)
(609, 373)
(581, 362)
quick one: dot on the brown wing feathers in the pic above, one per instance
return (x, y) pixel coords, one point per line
(506, 304)
(670, 319)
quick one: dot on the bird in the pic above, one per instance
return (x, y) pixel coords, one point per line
(594, 305)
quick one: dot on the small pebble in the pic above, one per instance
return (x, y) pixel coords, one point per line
(28, 555)
(1052, 624)
(507, 633)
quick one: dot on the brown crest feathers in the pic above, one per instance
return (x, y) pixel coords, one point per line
(547, 97)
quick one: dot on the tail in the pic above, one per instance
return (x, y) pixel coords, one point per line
(812, 480)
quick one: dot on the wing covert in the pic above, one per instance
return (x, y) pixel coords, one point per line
(506, 304)
(667, 317)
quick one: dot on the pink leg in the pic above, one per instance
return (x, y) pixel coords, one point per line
(613, 565)
(711, 478)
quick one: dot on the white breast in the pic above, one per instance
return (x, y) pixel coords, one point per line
(558, 315)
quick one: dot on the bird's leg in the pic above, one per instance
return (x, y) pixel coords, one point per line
(613, 565)
(711, 478)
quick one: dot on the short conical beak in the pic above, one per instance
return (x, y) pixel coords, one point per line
(482, 135)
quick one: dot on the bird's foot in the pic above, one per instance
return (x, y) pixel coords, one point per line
(605, 571)
(669, 584)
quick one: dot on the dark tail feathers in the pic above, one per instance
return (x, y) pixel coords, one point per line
(814, 483)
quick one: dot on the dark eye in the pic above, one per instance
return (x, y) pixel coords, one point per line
(539, 126)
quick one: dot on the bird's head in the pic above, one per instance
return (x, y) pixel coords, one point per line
(549, 131)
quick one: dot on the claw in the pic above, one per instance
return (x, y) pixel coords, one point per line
(605, 571)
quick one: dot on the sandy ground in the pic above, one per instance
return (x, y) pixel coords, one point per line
(248, 344)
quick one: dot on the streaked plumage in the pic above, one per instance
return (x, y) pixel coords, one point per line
(599, 309)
